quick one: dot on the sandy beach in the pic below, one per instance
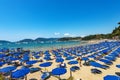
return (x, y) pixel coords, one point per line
(84, 73)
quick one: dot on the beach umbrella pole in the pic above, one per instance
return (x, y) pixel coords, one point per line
(10, 76)
(46, 69)
(59, 77)
(70, 73)
(25, 77)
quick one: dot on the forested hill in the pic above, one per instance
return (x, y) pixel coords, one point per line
(114, 34)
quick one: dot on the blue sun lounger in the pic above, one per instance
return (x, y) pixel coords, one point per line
(106, 61)
(95, 64)
(96, 71)
(32, 70)
(110, 58)
(45, 76)
(74, 68)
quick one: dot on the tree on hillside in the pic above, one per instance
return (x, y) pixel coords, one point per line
(119, 23)
(116, 32)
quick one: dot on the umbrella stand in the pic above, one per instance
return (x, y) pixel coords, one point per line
(46, 69)
(85, 61)
(70, 73)
(59, 77)
(26, 77)
(10, 76)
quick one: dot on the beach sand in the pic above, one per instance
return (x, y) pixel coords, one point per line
(84, 73)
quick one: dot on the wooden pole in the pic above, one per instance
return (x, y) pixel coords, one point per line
(59, 77)
(26, 77)
(70, 73)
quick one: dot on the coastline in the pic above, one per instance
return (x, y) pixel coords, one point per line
(85, 71)
(82, 43)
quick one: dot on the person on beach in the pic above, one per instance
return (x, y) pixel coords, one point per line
(63, 65)
(79, 60)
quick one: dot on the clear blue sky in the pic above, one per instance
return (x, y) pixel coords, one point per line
(21, 19)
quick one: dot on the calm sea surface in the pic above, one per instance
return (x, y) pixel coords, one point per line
(42, 45)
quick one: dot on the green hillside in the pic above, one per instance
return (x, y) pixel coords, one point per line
(115, 34)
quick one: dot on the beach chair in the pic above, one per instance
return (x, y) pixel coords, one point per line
(96, 64)
(117, 73)
(106, 67)
(106, 61)
(33, 70)
(110, 58)
(96, 71)
(7, 74)
(118, 66)
(63, 65)
(45, 75)
(74, 68)
(33, 79)
(86, 64)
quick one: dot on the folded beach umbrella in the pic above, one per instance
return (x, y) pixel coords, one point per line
(31, 62)
(20, 73)
(73, 62)
(111, 77)
(59, 71)
(7, 69)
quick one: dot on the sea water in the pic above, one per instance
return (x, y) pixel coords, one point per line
(37, 46)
